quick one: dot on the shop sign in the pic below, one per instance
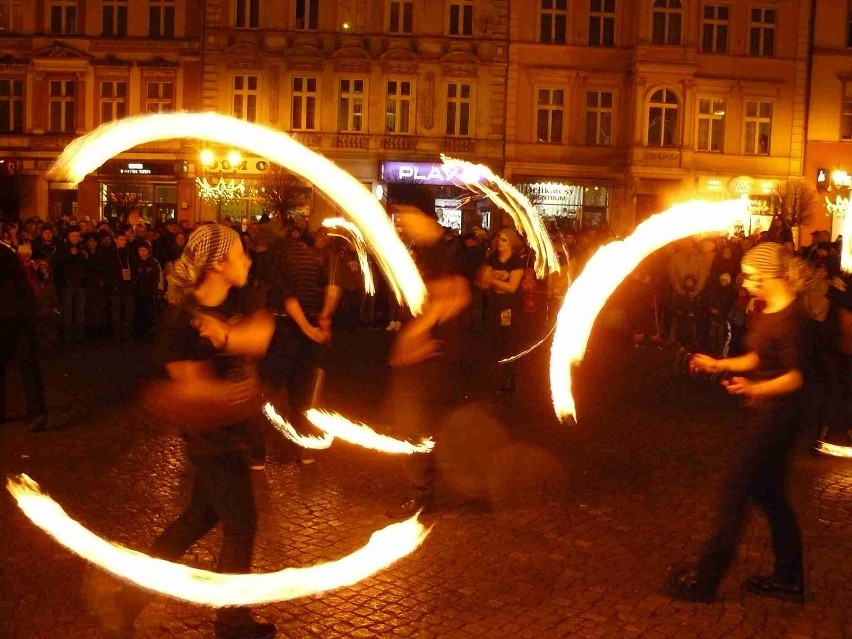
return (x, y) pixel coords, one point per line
(741, 185)
(422, 172)
(137, 168)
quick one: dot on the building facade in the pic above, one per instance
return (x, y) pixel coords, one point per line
(618, 109)
(67, 66)
(829, 133)
(380, 87)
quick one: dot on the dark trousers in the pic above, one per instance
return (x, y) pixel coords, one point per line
(122, 307)
(221, 492)
(759, 476)
(19, 342)
(143, 319)
(73, 312)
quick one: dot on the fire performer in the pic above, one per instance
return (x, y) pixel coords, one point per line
(210, 395)
(426, 353)
(771, 391)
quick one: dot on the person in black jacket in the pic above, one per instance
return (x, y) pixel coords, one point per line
(18, 339)
(72, 270)
(117, 263)
(147, 287)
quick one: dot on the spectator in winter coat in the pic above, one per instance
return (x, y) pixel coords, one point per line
(117, 263)
(72, 270)
(147, 289)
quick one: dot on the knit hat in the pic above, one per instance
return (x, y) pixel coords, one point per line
(205, 246)
(769, 258)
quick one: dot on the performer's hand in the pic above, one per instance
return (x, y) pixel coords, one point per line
(212, 329)
(739, 386)
(704, 364)
(325, 324)
(317, 334)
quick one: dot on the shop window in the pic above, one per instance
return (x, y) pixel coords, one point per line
(714, 28)
(304, 104)
(247, 14)
(400, 16)
(114, 18)
(113, 99)
(711, 125)
(662, 118)
(11, 16)
(63, 17)
(244, 98)
(350, 106)
(159, 97)
(666, 17)
(602, 23)
(846, 113)
(398, 108)
(307, 15)
(11, 106)
(553, 21)
(61, 106)
(161, 19)
(458, 109)
(761, 41)
(599, 118)
(551, 115)
(758, 127)
(461, 18)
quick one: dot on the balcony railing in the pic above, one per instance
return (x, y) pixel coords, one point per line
(458, 145)
(353, 141)
(308, 138)
(400, 142)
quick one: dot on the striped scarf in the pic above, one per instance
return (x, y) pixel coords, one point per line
(769, 258)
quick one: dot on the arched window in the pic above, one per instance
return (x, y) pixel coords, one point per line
(662, 118)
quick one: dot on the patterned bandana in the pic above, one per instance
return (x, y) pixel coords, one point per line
(205, 246)
(769, 259)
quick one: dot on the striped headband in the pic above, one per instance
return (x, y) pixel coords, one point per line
(769, 258)
(205, 246)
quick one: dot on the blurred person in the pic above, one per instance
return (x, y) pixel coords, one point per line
(47, 322)
(148, 287)
(118, 263)
(95, 291)
(774, 365)
(720, 297)
(71, 269)
(205, 348)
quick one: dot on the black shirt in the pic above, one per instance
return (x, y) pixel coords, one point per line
(503, 271)
(777, 340)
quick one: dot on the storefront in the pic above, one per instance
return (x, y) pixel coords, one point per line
(569, 205)
(152, 188)
(758, 191)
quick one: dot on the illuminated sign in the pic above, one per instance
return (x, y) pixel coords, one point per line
(134, 168)
(420, 172)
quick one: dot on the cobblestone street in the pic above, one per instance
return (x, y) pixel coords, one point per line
(542, 529)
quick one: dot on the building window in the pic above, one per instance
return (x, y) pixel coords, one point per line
(662, 118)
(758, 127)
(159, 97)
(553, 22)
(849, 28)
(61, 96)
(248, 14)
(711, 124)
(307, 15)
(401, 16)
(761, 40)
(666, 20)
(304, 104)
(602, 23)
(113, 101)
(461, 18)
(161, 19)
(11, 106)
(714, 29)
(63, 17)
(846, 119)
(244, 103)
(599, 118)
(350, 106)
(551, 113)
(11, 16)
(458, 109)
(398, 108)
(114, 18)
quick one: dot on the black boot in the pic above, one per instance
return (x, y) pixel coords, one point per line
(771, 586)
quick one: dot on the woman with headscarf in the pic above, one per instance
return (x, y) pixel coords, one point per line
(773, 363)
(210, 395)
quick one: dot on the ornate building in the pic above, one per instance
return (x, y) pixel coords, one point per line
(617, 109)
(381, 87)
(68, 66)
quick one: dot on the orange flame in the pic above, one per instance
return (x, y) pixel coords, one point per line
(385, 546)
(362, 435)
(846, 247)
(286, 428)
(834, 450)
(360, 249)
(608, 268)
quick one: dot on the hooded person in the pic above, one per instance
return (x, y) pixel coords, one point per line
(769, 378)
(209, 395)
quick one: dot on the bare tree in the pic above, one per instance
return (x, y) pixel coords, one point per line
(408, 191)
(122, 197)
(794, 200)
(284, 192)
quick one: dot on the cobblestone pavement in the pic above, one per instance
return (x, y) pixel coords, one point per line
(543, 529)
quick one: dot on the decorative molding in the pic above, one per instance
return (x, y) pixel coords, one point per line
(158, 62)
(352, 141)
(427, 100)
(9, 60)
(398, 58)
(60, 50)
(400, 142)
(274, 89)
(111, 61)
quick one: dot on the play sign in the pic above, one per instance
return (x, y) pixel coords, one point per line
(420, 172)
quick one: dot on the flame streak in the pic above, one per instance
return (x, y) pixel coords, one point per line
(846, 247)
(362, 435)
(834, 450)
(386, 546)
(607, 269)
(513, 358)
(357, 239)
(479, 178)
(90, 151)
(286, 428)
